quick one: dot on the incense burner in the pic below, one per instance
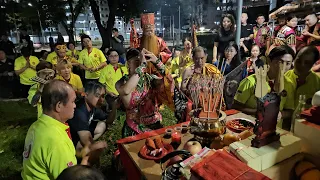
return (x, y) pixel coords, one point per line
(206, 130)
(207, 119)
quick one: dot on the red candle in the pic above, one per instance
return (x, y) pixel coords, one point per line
(176, 137)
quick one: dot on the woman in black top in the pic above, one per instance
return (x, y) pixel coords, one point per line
(225, 34)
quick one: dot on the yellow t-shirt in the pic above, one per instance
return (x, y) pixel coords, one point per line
(246, 93)
(109, 77)
(54, 60)
(51, 56)
(25, 77)
(75, 82)
(48, 150)
(31, 93)
(311, 86)
(92, 60)
(175, 66)
(75, 52)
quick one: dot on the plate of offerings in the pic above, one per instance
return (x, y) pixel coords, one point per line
(239, 125)
(155, 149)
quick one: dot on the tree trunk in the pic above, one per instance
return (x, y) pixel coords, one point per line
(105, 32)
(71, 35)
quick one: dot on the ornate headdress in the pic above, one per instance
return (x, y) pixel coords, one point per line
(147, 20)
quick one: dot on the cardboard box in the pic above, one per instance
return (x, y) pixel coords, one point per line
(264, 157)
(310, 134)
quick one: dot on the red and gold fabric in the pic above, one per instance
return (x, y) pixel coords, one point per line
(261, 34)
(285, 36)
(147, 20)
(134, 37)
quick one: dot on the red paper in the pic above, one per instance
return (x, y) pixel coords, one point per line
(222, 166)
(312, 115)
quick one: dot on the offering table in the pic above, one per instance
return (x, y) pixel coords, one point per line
(138, 168)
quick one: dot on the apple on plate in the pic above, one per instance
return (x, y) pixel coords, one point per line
(193, 147)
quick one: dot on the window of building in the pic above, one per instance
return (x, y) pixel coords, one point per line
(102, 15)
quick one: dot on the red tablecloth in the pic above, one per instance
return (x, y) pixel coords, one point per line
(132, 171)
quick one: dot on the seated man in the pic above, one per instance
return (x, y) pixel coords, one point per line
(7, 76)
(64, 68)
(111, 74)
(245, 99)
(89, 122)
(200, 66)
(304, 80)
(53, 55)
(61, 51)
(48, 149)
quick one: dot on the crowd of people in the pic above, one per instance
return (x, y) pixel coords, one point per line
(74, 116)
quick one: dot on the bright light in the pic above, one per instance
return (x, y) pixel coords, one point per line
(164, 29)
(29, 4)
(201, 28)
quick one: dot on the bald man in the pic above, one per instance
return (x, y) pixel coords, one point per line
(48, 148)
(311, 33)
(246, 36)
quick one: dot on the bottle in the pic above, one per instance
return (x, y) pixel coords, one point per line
(297, 111)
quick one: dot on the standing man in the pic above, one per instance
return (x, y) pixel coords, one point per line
(7, 46)
(111, 74)
(48, 149)
(25, 68)
(246, 35)
(117, 43)
(91, 59)
(262, 35)
(150, 41)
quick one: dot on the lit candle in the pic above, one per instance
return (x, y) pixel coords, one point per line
(176, 137)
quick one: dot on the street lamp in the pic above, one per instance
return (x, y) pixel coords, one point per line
(42, 32)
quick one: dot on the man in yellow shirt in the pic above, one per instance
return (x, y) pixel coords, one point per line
(64, 73)
(303, 79)
(245, 99)
(183, 61)
(111, 74)
(61, 51)
(25, 68)
(48, 149)
(91, 59)
(53, 54)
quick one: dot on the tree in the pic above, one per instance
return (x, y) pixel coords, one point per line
(75, 9)
(105, 32)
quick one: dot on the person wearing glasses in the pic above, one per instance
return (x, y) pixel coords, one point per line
(112, 73)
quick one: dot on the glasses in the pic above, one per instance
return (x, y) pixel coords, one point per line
(113, 56)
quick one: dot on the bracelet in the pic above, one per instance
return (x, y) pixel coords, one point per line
(141, 69)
